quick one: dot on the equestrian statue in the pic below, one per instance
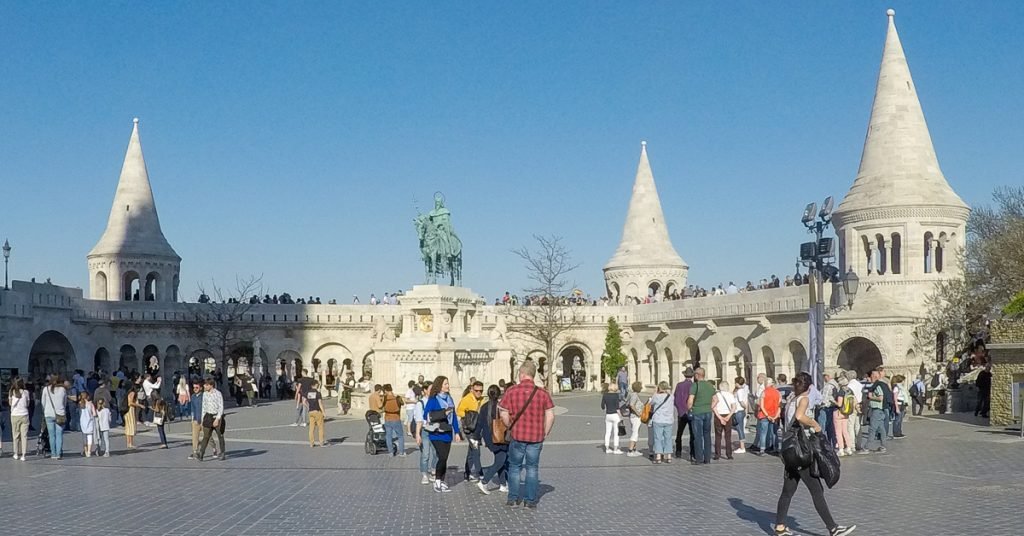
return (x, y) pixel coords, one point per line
(439, 245)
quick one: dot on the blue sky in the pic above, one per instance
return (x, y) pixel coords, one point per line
(294, 139)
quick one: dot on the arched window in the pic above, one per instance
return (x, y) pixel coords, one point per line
(880, 255)
(928, 248)
(151, 280)
(130, 288)
(867, 253)
(940, 251)
(99, 286)
(940, 347)
(895, 250)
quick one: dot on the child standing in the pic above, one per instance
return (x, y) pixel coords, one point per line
(159, 415)
(87, 421)
(103, 427)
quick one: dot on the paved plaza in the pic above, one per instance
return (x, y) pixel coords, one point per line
(946, 478)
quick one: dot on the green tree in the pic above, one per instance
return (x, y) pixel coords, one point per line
(613, 357)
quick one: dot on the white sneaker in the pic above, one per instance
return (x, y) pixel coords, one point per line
(740, 450)
(607, 450)
(483, 487)
(634, 454)
(502, 488)
(303, 425)
(425, 480)
(617, 451)
(295, 424)
(441, 487)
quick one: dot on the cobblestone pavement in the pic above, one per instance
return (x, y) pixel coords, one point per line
(946, 478)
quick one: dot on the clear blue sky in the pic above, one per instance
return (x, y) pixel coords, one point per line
(291, 139)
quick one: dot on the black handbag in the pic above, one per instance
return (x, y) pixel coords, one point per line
(469, 422)
(826, 461)
(439, 418)
(622, 429)
(797, 448)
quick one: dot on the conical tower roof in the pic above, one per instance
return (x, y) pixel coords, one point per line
(134, 227)
(645, 240)
(898, 166)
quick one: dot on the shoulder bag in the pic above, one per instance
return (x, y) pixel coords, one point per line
(648, 414)
(438, 418)
(61, 420)
(501, 434)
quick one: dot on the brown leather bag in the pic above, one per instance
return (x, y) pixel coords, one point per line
(498, 431)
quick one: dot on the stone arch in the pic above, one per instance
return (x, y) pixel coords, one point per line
(693, 350)
(129, 358)
(719, 363)
(574, 362)
(632, 290)
(290, 363)
(99, 286)
(175, 282)
(670, 287)
(101, 360)
(929, 258)
(744, 359)
(859, 354)
(614, 291)
(797, 356)
(670, 367)
(368, 364)
(940, 252)
(131, 286)
(654, 289)
(633, 364)
(51, 352)
(651, 371)
(202, 360)
(152, 282)
(768, 357)
(911, 357)
(332, 351)
(174, 361)
(835, 343)
(880, 255)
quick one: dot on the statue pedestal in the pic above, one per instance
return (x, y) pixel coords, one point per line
(441, 335)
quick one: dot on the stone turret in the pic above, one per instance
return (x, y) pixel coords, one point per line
(901, 224)
(645, 262)
(133, 260)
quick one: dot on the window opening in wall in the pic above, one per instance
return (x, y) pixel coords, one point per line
(880, 255)
(895, 250)
(928, 252)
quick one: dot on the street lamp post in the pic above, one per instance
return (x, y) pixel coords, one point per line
(7, 257)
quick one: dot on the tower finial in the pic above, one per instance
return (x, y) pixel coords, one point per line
(643, 143)
(136, 120)
(890, 12)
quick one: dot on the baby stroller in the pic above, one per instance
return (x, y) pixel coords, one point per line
(43, 441)
(375, 436)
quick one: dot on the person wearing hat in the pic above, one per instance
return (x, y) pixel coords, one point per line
(682, 402)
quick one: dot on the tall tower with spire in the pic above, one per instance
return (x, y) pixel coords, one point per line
(132, 260)
(645, 263)
(900, 225)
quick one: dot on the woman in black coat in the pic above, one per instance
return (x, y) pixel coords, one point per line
(498, 471)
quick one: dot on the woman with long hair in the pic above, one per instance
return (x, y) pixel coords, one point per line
(160, 419)
(844, 442)
(634, 407)
(19, 400)
(498, 471)
(87, 422)
(742, 393)
(183, 396)
(130, 418)
(610, 405)
(54, 399)
(799, 412)
(443, 427)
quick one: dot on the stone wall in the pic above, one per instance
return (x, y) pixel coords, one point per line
(1007, 352)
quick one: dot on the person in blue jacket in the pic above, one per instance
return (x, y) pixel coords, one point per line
(443, 428)
(498, 471)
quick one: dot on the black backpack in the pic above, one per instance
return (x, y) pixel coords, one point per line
(469, 422)
(887, 400)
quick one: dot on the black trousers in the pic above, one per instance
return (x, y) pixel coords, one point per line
(684, 420)
(207, 432)
(442, 448)
(791, 480)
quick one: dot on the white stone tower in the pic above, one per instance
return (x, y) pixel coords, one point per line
(645, 262)
(900, 225)
(132, 260)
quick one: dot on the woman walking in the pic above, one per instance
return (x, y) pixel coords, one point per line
(498, 471)
(742, 394)
(844, 443)
(87, 422)
(724, 405)
(662, 417)
(160, 419)
(428, 458)
(19, 400)
(800, 413)
(54, 399)
(129, 417)
(899, 396)
(634, 407)
(610, 405)
(443, 425)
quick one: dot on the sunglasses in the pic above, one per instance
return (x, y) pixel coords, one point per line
(478, 390)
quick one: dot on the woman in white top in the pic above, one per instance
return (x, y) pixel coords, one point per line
(54, 400)
(19, 399)
(742, 394)
(724, 406)
(183, 396)
(87, 421)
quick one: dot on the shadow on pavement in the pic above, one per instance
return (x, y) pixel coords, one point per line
(244, 453)
(764, 519)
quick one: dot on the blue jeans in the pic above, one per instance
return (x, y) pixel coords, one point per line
(428, 458)
(394, 429)
(824, 418)
(472, 467)
(741, 419)
(519, 455)
(701, 426)
(497, 471)
(897, 423)
(662, 438)
(878, 428)
(303, 414)
(56, 432)
(765, 435)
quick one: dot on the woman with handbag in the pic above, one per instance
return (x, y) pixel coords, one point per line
(634, 406)
(799, 413)
(724, 405)
(443, 427)
(498, 471)
(662, 417)
(610, 405)
(160, 419)
(54, 400)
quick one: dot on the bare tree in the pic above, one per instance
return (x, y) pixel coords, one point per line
(219, 316)
(551, 313)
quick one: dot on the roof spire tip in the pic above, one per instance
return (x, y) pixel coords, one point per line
(890, 12)
(643, 143)
(135, 120)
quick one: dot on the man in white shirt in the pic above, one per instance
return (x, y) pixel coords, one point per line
(731, 289)
(213, 418)
(152, 391)
(858, 393)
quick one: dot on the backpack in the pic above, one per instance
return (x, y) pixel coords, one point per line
(849, 404)
(122, 402)
(469, 421)
(887, 400)
(915, 391)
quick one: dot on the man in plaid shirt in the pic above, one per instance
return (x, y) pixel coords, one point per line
(536, 416)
